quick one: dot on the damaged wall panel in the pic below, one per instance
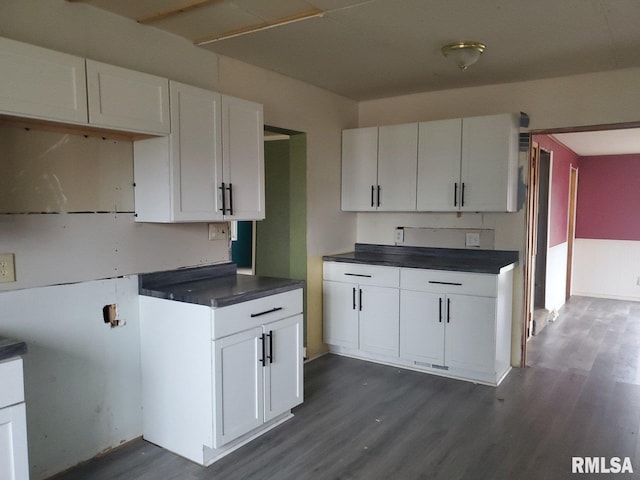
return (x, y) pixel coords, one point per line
(45, 171)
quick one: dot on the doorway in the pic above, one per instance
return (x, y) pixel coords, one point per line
(540, 312)
(277, 245)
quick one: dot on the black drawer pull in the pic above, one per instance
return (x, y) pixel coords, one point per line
(445, 283)
(253, 315)
(358, 275)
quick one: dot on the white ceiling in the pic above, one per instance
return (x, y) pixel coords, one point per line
(365, 49)
(607, 142)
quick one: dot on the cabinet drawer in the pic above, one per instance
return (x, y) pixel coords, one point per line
(363, 274)
(440, 281)
(12, 390)
(245, 315)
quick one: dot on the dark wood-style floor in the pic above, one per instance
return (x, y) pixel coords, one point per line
(579, 397)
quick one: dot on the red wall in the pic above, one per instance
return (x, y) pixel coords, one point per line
(609, 197)
(563, 158)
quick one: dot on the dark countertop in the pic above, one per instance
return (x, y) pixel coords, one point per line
(454, 259)
(10, 348)
(213, 285)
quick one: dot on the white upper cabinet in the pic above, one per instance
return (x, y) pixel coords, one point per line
(242, 159)
(463, 164)
(379, 168)
(124, 99)
(439, 155)
(41, 83)
(211, 166)
(359, 169)
(397, 165)
(468, 164)
(489, 166)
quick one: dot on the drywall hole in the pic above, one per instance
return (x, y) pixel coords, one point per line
(110, 315)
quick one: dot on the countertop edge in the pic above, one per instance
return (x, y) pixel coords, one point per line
(226, 301)
(12, 350)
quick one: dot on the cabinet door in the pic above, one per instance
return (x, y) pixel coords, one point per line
(489, 163)
(470, 333)
(238, 382)
(397, 166)
(379, 319)
(243, 158)
(196, 153)
(422, 323)
(340, 306)
(284, 375)
(41, 83)
(359, 169)
(439, 148)
(14, 461)
(124, 99)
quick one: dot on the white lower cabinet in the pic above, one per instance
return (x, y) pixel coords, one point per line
(258, 377)
(456, 324)
(214, 379)
(14, 461)
(361, 307)
(443, 331)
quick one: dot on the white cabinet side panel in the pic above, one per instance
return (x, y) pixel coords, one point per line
(176, 375)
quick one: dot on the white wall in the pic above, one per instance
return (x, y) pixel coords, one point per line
(556, 277)
(606, 269)
(82, 377)
(592, 99)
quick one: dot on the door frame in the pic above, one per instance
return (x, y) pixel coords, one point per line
(571, 225)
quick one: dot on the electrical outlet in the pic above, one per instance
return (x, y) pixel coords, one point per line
(218, 231)
(472, 239)
(7, 268)
(399, 235)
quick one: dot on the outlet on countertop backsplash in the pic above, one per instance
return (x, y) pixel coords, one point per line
(471, 238)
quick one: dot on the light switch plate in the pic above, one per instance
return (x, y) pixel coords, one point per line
(7, 268)
(472, 239)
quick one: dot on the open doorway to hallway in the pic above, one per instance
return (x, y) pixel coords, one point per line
(593, 225)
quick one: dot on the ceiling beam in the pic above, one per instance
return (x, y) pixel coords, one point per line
(169, 12)
(313, 13)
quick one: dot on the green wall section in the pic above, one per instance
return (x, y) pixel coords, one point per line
(281, 239)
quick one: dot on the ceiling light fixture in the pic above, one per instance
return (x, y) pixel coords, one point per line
(464, 54)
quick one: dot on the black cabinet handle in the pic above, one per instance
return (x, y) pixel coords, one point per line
(230, 188)
(455, 194)
(360, 308)
(379, 195)
(224, 198)
(448, 310)
(358, 275)
(270, 356)
(445, 283)
(354, 298)
(462, 196)
(263, 360)
(253, 315)
(440, 310)
(372, 192)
